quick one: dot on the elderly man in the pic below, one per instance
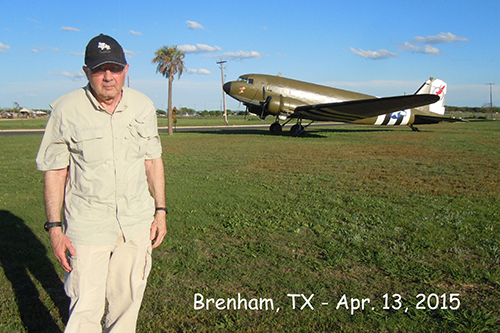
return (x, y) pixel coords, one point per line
(102, 159)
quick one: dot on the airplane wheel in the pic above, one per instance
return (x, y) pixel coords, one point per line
(297, 130)
(275, 128)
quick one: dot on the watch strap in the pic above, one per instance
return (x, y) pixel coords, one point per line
(162, 208)
(48, 225)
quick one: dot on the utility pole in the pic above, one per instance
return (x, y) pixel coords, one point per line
(221, 63)
(491, 99)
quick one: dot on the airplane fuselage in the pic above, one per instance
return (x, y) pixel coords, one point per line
(287, 94)
(288, 98)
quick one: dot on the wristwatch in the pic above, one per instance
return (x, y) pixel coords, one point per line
(161, 208)
(49, 225)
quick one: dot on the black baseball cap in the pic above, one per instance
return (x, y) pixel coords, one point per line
(104, 49)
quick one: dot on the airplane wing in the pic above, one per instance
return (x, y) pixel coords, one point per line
(359, 109)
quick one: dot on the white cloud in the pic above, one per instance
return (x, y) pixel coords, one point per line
(407, 46)
(4, 47)
(199, 48)
(199, 71)
(129, 53)
(78, 76)
(239, 55)
(442, 38)
(431, 50)
(194, 25)
(374, 55)
(39, 49)
(136, 33)
(69, 29)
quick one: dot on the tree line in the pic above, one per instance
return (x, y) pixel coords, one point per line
(472, 109)
(186, 112)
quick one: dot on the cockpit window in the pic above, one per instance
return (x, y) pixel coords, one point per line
(245, 79)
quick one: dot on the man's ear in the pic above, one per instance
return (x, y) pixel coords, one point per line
(87, 72)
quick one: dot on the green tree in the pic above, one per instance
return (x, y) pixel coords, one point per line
(169, 60)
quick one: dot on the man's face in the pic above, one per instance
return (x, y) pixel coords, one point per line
(107, 80)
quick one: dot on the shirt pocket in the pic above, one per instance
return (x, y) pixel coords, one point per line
(88, 143)
(138, 136)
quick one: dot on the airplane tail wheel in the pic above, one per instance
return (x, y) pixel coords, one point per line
(297, 129)
(275, 128)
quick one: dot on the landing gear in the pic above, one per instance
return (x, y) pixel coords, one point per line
(297, 130)
(414, 129)
(276, 128)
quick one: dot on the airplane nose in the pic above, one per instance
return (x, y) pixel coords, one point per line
(227, 87)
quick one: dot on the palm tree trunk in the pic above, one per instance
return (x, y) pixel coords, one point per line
(170, 127)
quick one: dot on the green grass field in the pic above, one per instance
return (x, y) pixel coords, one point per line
(407, 222)
(39, 123)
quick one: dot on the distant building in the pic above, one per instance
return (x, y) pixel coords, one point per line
(27, 113)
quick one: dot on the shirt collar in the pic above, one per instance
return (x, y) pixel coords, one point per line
(121, 106)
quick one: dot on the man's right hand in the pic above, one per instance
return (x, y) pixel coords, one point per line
(60, 244)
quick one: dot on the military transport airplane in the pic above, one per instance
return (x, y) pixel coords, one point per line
(288, 99)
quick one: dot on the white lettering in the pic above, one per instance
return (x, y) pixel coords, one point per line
(254, 304)
(198, 303)
(343, 302)
(355, 303)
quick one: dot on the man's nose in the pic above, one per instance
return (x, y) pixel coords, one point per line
(108, 76)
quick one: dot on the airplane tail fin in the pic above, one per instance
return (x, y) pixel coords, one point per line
(435, 87)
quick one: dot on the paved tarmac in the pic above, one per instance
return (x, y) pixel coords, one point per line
(223, 128)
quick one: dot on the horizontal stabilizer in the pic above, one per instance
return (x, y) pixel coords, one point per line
(423, 119)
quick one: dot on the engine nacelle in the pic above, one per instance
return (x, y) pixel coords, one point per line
(276, 106)
(283, 105)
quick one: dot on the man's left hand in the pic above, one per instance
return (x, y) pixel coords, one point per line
(158, 228)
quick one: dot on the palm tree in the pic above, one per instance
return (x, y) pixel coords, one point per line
(169, 60)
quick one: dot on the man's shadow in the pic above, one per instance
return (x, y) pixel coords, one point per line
(24, 261)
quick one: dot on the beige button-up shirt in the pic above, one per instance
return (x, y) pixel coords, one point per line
(106, 189)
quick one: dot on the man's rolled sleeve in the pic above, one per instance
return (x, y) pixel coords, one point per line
(53, 153)
(154, 149)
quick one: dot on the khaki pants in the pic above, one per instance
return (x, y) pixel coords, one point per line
(116, 273)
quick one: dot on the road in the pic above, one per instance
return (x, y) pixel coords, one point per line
(222, 128)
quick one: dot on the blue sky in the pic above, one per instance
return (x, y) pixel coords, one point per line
(382, 48)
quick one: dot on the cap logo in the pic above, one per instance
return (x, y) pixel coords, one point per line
(103, 46)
